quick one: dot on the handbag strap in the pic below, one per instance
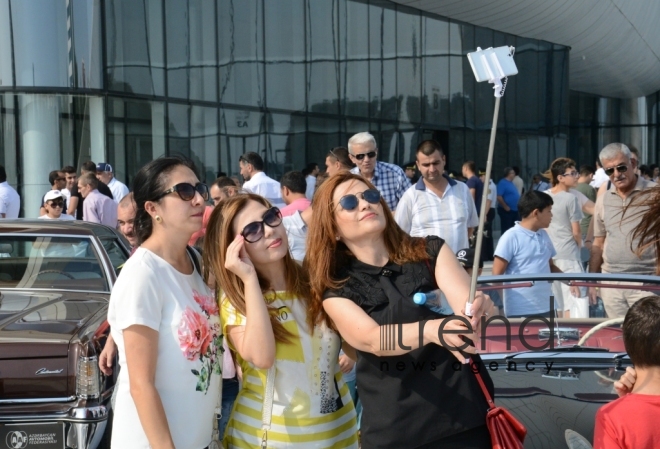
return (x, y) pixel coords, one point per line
(489, 398)
(267, 410)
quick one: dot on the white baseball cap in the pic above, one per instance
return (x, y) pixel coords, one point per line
(53, 194)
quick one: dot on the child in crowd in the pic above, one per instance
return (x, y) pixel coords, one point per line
(631, 421)
(527, 249)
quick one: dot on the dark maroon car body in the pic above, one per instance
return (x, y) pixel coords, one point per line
(55, 282)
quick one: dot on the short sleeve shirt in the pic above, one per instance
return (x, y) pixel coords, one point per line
(417, 393)
(527, 252)
(609, 222)
(509, 193)
(565, 211)
(183, 310)
(421, 213)
(478, 186)
(10, 201)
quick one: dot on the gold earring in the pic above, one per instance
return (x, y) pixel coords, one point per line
(158, 219)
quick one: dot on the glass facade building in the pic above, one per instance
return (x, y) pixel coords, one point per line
(127, 81)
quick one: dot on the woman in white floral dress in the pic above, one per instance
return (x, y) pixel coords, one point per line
(165, 320)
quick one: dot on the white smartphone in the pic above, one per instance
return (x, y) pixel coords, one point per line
(493, 63)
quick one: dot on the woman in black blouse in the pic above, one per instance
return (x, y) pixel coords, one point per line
(416, 393)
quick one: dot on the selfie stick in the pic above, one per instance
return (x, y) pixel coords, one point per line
(495, 75)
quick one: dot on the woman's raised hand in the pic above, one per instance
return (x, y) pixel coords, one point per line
(237, 260)
(452, 334)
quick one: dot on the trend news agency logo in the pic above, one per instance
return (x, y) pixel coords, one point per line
(390, 332)
(17, 439)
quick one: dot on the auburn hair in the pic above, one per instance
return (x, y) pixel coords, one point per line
(647, 232)
(326, 255)
(219, 235)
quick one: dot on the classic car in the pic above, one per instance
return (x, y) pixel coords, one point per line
(55, 283)
(554, 373)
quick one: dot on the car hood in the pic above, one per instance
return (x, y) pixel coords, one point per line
(41, 324)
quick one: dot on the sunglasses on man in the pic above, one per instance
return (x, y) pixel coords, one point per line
(254, 231)
(186, 191)
(350, 202)
(370, 155)
(56, 203)
(622, 168)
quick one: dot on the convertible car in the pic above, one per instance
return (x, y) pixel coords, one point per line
(55, 282)
(554, 373)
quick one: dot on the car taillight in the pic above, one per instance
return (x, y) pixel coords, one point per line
(88, 378)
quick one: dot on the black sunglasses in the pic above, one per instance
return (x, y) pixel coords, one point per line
(620, 168)
(350, 201)
(57, 203)
(359, 157)
(254, 231)
(186, 191)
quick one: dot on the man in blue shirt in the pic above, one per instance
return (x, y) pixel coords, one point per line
(389, 179)
(507, 199)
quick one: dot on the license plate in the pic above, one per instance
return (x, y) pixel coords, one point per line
(32, 436)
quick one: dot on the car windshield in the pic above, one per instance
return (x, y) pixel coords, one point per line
(51, 262)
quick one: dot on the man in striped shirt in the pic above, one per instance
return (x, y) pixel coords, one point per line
(437, 204)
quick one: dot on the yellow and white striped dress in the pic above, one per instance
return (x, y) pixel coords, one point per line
(312, 407)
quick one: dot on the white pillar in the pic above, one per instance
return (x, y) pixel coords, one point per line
(40, 137)
(97, 129)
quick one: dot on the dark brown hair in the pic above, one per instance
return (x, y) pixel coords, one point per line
(641, 332)
(219, 235)
(329, 254)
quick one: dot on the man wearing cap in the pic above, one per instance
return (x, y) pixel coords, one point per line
(97, 208)
(54, 205)
(410, 169)
(105, 174)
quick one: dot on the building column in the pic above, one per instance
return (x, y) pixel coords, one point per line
(40, 147)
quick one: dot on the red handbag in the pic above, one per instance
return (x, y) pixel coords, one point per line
(506, 432)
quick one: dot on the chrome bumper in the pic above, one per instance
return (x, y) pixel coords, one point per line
(83, 426)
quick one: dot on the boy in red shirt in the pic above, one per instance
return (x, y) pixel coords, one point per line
(632, 420)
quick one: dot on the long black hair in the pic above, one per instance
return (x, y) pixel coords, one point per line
(149, 182)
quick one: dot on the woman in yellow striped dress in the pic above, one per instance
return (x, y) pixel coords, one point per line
(265, 315)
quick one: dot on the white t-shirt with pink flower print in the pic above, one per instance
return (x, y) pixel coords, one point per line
(150, 292)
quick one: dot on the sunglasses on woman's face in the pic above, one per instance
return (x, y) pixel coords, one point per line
(620, 168)
(186, 191)
(350, 201)
(254, 231)
(56, 203)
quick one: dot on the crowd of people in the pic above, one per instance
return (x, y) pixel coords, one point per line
(250, 315)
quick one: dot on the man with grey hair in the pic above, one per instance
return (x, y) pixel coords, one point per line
(389, 179)
(611, 250)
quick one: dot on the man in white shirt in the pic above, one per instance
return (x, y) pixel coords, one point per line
(54, 205)
(256, 181)
(10, 202)
(437, 205)
(105, 174)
